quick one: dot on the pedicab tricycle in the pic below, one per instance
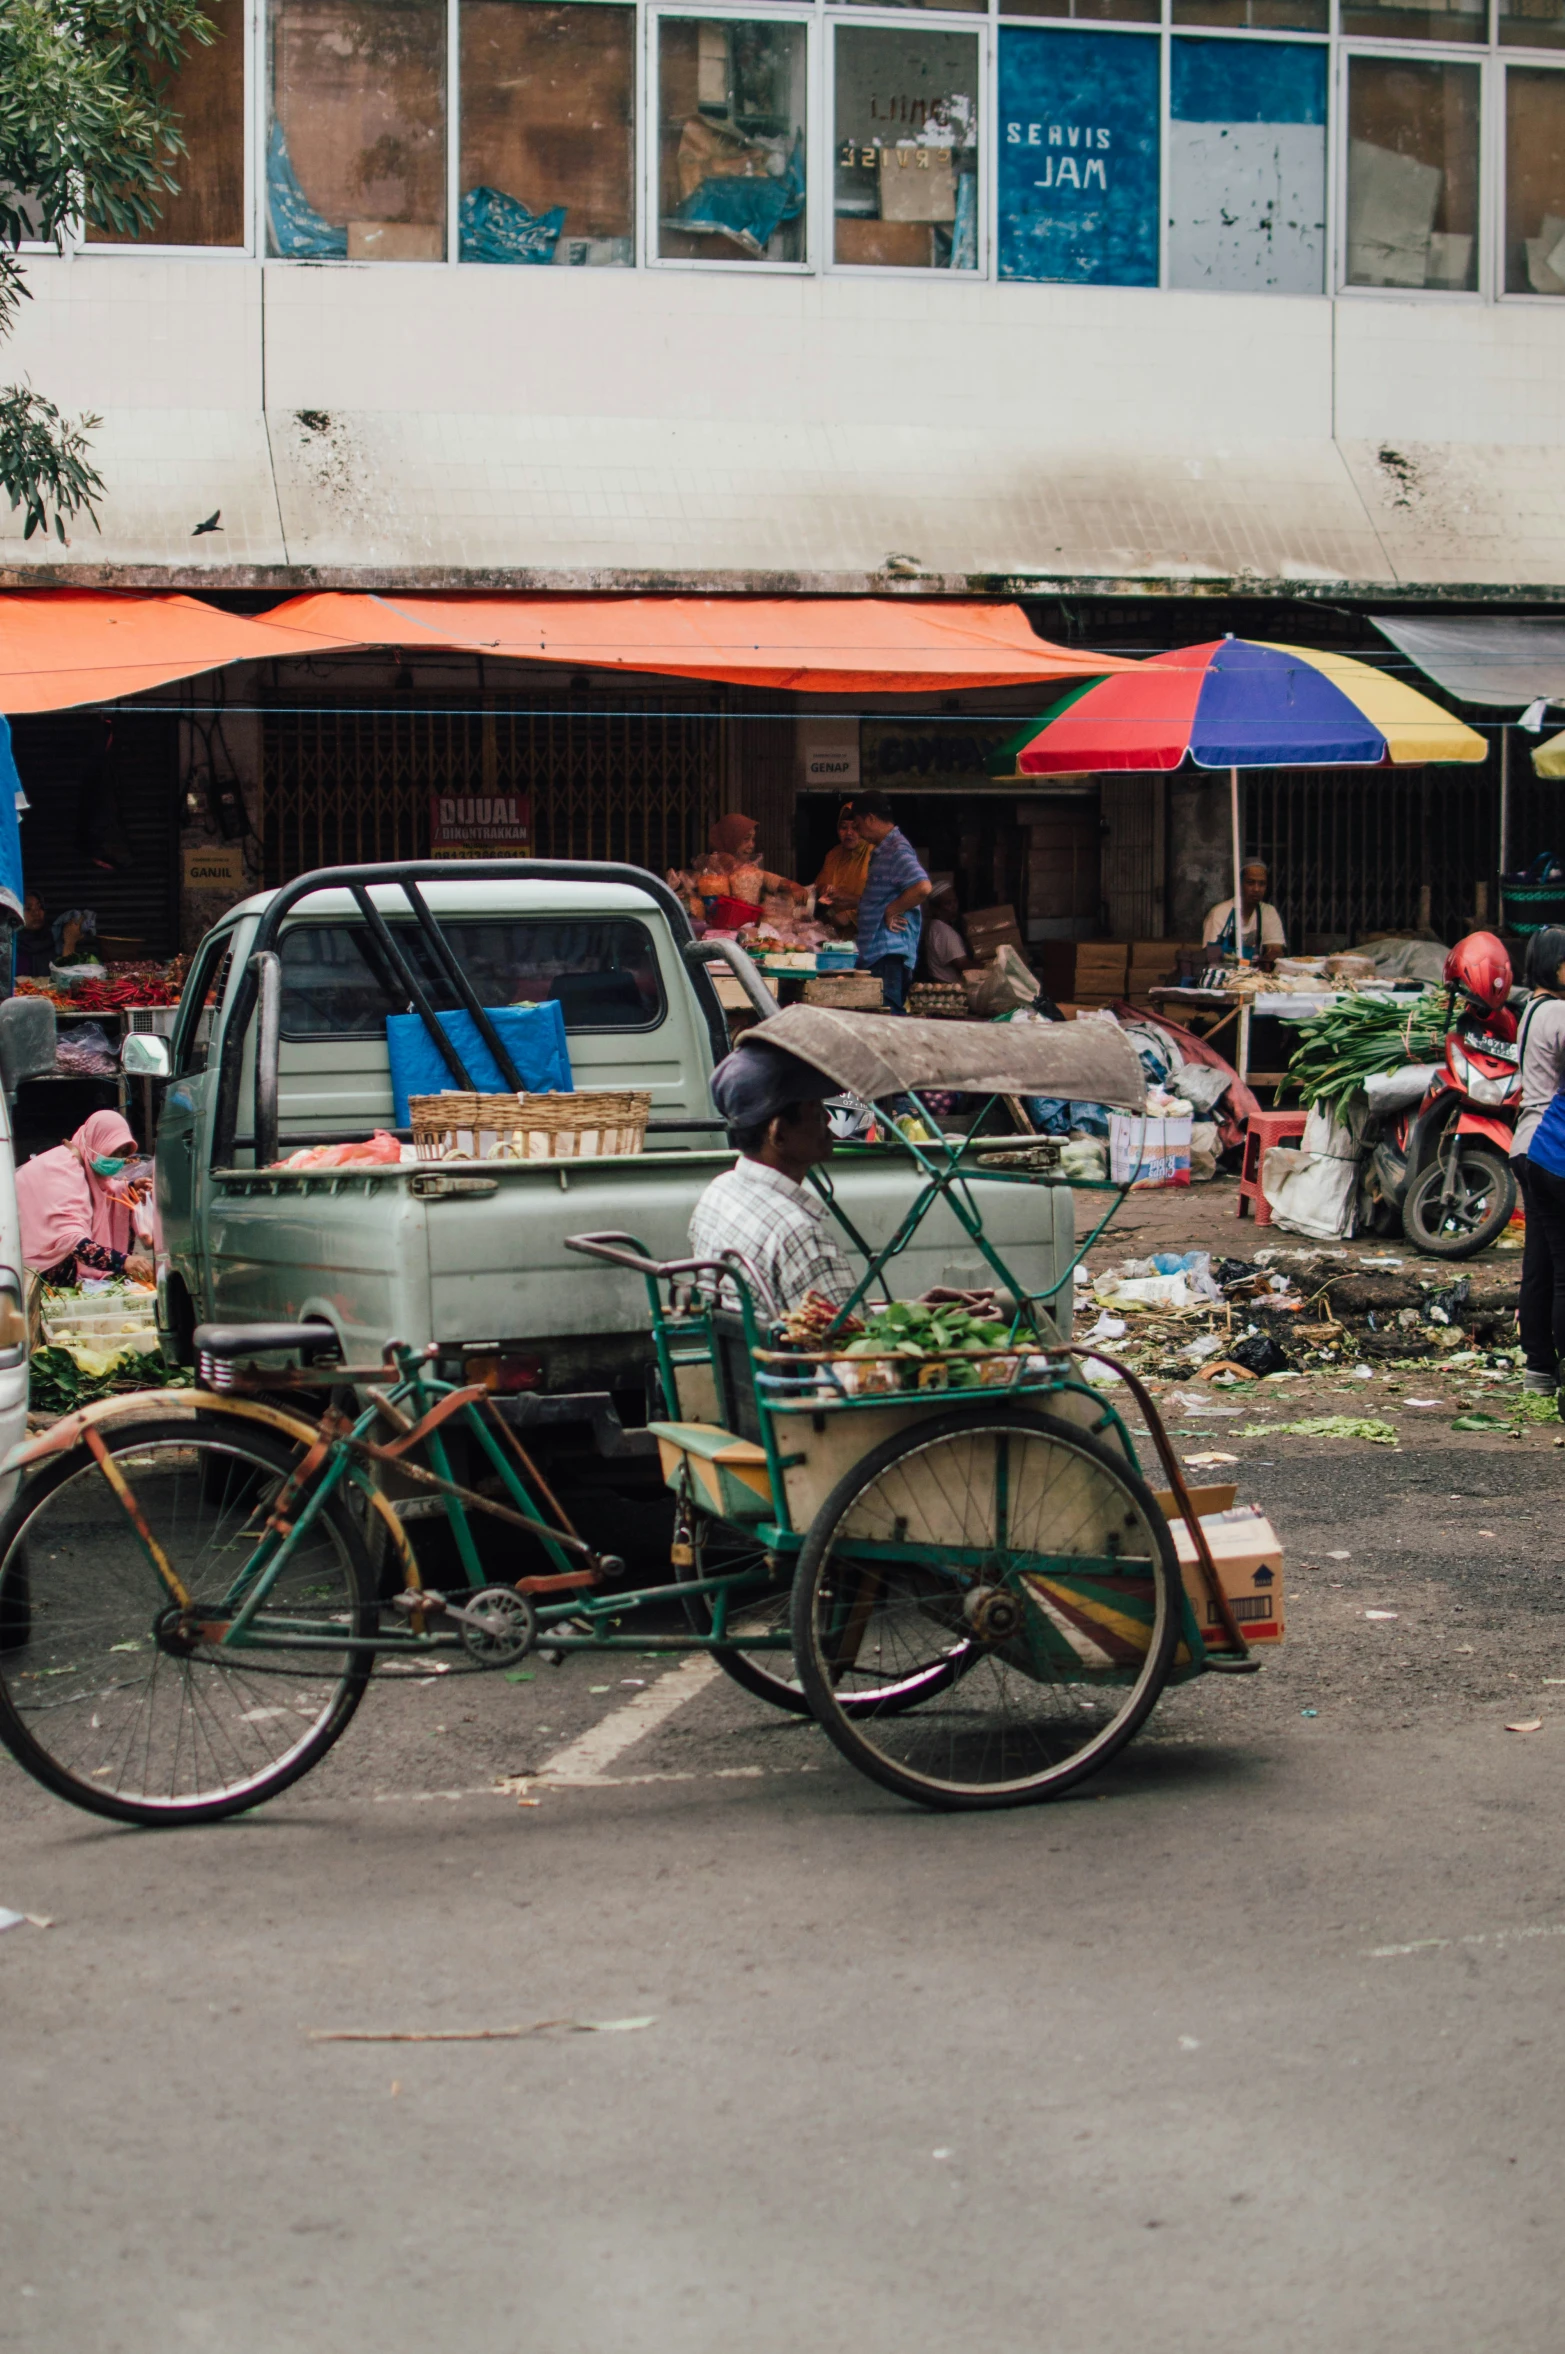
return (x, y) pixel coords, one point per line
(918, 1522)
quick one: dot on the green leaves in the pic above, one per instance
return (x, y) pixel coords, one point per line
(43, 461)
(1340, 1048)
(86, 133)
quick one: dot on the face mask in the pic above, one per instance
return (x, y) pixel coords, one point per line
(107, 1168)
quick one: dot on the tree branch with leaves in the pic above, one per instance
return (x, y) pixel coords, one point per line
(87, 134)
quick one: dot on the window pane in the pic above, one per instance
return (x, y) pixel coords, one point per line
(1257, 16)
(1534, 182)
(1247, 167)
(1412, 174)
(905, 192)
(1125, 12)
(356, 149)
(604, 973)
(208, 93)
(1079, 157)
(1422, 20)
(1532, 24)
(548, 133)
(731, 139)
(949, 7)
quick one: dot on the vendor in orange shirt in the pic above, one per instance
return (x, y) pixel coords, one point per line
(840, 884)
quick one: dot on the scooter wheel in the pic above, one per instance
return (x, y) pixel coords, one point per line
(1478, 1212)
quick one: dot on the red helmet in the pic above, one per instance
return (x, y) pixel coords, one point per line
(1480, 969)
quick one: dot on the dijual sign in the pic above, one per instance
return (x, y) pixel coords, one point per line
(480, 825)
(1078, 157)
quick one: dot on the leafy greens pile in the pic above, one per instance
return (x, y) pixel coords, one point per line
(1346, 1044)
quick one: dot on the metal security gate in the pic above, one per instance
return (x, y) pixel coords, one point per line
(641, 783)
(1352, 851)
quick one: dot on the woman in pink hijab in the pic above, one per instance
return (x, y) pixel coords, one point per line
(75, 1216)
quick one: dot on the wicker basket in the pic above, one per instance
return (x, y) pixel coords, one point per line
(852, 992)
(459, 1127)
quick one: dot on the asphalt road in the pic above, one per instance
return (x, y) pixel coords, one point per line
(1254, 2045)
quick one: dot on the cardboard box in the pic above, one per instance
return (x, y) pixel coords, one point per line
(396, 241)
(989, 928)
(1247, 1553)
(1148, 1153)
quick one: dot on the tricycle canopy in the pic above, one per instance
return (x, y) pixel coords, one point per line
(876, 1055)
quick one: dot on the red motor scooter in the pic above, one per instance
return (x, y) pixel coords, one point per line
(1445, 1168)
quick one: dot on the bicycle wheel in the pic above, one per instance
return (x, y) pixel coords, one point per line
(104, 1697)
(1035, 1547)
(718, 1549)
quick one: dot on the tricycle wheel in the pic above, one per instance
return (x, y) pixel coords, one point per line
(1482, 1201)
(718, 1550)
(1016, 1568)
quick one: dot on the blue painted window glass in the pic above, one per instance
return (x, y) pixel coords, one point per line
(1247, 167)
(1078, 141)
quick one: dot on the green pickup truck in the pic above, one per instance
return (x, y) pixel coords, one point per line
(280, 1041)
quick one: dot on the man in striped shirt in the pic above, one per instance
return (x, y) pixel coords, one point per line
(894, 891)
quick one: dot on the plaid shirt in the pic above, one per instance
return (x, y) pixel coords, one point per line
(892, 870)
(781, 1229)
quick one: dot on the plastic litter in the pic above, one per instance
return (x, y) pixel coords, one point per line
(1531, 1724)
(1258, 1354)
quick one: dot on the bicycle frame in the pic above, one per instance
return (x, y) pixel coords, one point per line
(346, 1454)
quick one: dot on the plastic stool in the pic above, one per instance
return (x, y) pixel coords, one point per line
(1264, 1129)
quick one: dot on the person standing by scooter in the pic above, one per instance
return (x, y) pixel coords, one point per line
(1539, 1160)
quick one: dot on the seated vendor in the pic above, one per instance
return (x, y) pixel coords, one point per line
(840, 884)
(34, 940)
(775, 1108)
(946, 953)
(1262, 924)
(75, 1218)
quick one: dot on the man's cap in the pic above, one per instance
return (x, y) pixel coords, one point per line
(754, 1083)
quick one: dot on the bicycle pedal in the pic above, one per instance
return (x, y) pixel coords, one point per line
(417, 1598)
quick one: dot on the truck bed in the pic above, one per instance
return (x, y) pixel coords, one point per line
(461, 1253)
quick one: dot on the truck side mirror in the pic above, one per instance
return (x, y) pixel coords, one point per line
(27, 1028)
(145, 1055)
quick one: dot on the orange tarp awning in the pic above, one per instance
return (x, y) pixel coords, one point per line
(60, 646)
(63, 647)
(818, 645)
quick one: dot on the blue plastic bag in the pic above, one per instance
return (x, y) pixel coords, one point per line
(494, 227)
(533, 1034)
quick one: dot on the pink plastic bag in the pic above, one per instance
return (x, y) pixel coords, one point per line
(379, 1150)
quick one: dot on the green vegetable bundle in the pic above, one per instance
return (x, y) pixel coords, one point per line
(1348, 1043)
(910, 1329)
(56, 1384)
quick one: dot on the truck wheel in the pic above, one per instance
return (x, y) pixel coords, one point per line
(1482, 1200)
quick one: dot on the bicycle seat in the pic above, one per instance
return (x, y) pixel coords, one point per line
(243, 1340)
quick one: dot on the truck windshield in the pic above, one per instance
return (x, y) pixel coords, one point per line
(603, 971)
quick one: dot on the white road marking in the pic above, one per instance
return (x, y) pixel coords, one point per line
(1384, 1953)
(580, 1764)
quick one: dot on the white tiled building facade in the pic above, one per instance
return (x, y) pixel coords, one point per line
(1264, 292)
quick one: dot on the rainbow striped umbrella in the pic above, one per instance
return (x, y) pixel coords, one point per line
(1237, 703)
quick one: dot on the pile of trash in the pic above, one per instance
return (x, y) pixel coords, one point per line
(1220, 1321)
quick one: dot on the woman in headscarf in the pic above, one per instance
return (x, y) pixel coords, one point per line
(731, 874)
(76, 1217)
